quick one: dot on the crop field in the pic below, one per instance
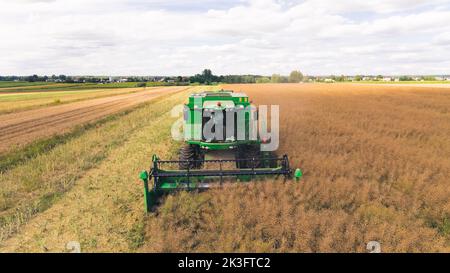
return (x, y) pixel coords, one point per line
(410, 83)
(10, 84)
(20, 128)
(97, 159)
(21, 87)
(13, 102)
(15, 87)
(376, 162)
(375, 159)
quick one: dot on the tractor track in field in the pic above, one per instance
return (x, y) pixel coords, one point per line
(26, 126)
(9, 130)
(14, 122)
(14, 130)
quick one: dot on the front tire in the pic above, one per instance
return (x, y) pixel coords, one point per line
(190, 157)
(248, 152)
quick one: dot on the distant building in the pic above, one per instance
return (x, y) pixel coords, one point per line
(387, 79)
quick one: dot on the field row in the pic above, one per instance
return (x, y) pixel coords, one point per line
(14, 102)
(21, 87)
(18, 129)
(86, 189)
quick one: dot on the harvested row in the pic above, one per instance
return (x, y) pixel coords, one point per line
(14, 102)
(17, 129)
(86, 189)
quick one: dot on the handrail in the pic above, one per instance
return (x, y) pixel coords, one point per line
(219, 160)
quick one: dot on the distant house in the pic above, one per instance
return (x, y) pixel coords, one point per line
(328, 80)
(122, 80)
(387, 79)
(439, 78)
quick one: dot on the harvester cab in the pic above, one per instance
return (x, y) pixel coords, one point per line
(221, 145)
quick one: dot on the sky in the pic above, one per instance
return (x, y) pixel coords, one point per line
(137, 37)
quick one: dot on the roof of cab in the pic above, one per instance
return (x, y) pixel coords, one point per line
(221, 93)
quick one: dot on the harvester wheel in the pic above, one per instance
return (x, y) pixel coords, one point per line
(267, 160)
(249, 152)
(189, 153)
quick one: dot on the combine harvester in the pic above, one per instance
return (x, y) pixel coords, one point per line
(205, 161)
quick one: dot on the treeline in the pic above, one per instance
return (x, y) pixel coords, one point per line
(53, 78)
(207, 77)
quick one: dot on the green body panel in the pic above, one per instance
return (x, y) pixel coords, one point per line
(215, 146)
(148, 198)
(222, 95)
(298, 174)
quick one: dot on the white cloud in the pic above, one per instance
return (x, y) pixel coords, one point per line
(261, 37)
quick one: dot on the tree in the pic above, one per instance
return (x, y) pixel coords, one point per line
(207, 76)
(33, 78)
(340, 78)
(429, 78)
(295, 76)
(405, 78)
(262, 80)
(69, 80)
(276, 78)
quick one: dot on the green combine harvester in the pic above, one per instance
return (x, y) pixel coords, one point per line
(231, 154)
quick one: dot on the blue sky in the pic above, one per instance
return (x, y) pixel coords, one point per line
(137, 37)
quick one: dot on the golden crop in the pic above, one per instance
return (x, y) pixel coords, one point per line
(376, 161)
